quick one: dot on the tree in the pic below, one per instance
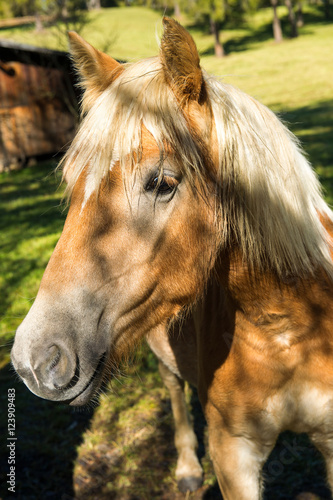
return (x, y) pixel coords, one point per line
(177, 13)
(67, 15)
(59, 10)
(327, 9)
(299, 15)
(292, 18)
(277, 31)
(217, 14)
(213, 13)
(93, 4)
(5, 9)
(29, 8)
(218, 47)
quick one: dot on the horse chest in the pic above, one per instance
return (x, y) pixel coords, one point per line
(281, 383)
(303, 401)
(300, 407)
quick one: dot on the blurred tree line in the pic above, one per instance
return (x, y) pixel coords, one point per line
(214, 14)
(209, 14)
(57, 10)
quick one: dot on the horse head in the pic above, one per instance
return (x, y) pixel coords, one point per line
(140, 237)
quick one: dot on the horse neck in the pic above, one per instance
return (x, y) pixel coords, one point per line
(271, 304)
(248, 314)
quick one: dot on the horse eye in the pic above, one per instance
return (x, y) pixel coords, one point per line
(164, 185)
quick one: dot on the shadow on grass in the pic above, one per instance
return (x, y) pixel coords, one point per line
(45, 450)
(293, 467)
(22, 28)
(29, 210)
(244, 42)
(262, 33)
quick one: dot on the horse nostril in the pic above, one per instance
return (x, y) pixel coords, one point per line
(55, 367)
(56, 354)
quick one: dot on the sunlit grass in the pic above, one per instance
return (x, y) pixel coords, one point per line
(284, 76)
(30, 225)
(128, 33)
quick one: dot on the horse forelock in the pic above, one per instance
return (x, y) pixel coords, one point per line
(111, 131)
(270, 198)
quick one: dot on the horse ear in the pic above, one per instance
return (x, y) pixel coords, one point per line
(96, 69)
(181, 61)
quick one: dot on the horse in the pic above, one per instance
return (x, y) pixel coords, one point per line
(195, 221)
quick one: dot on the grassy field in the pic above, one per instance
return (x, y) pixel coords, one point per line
(30, 224)
(123, 449)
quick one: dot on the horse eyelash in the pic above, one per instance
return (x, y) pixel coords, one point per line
(157, 181)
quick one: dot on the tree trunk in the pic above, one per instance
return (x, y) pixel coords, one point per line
(299, 16)
(94, 4)
(62, 10)
(292, 19)
(327, 9)
(38, 22)
(277, 31)
(218, 47)
(177, 13)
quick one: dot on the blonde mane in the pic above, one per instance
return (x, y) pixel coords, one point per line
(271, 200)
(111, 129)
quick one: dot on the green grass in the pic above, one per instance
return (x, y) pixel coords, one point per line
(283, 76)
(128, 32)
(124, 448)
(30, 224)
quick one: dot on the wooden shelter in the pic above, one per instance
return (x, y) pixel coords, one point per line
(38, 103)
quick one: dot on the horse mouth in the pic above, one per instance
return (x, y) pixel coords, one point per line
(86, 394)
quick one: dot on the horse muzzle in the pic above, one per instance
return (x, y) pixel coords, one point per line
(55, 373)
(58, 371)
